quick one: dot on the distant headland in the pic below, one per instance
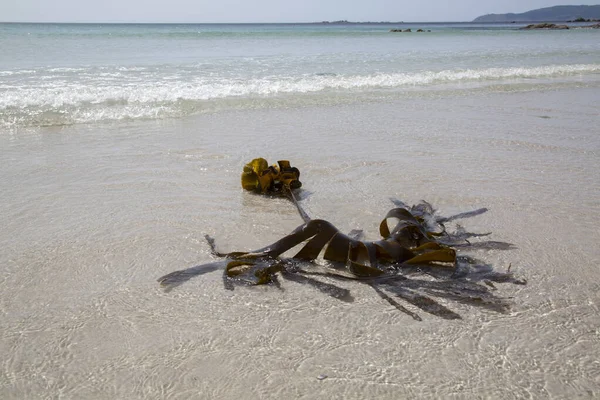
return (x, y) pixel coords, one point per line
(548, 14)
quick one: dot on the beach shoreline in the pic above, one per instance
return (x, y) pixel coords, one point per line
(95, 213)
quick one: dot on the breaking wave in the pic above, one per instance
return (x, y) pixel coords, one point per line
(58, 96)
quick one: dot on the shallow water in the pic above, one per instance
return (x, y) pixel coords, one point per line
(93, 214)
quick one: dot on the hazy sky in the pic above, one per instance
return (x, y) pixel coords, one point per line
(262, 10)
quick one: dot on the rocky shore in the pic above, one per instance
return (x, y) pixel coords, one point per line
(544, 26)
(550, 26)
(409, 30)
(538, 26)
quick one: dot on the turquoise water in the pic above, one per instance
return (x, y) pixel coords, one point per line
(57, 74)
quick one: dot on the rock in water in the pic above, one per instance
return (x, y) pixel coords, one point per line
(544, 25)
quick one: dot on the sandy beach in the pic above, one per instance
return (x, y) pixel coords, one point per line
(93, 214)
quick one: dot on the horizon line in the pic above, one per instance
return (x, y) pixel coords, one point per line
(337, 22)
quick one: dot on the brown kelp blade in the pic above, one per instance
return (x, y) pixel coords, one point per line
(432, 252)
(362, 258)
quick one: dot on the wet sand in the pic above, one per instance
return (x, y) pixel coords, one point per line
(94, 214)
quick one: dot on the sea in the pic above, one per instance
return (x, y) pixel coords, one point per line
(63, 74)
(122, 145)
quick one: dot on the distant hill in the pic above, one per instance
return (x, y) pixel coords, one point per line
(557, 13)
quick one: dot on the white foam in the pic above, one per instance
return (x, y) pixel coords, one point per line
(17, 72)
(95, 95)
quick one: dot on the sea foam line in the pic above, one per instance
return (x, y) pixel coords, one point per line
(92, 89)
(91, 97)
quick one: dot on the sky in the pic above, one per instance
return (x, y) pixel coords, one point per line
(220, 11)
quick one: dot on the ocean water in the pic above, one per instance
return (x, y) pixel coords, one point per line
(121, 146)
(66, 74)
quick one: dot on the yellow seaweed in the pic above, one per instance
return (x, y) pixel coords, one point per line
(259, 177)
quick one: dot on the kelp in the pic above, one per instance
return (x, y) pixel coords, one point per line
(414, 242)
(280, 179)
(258, 176)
